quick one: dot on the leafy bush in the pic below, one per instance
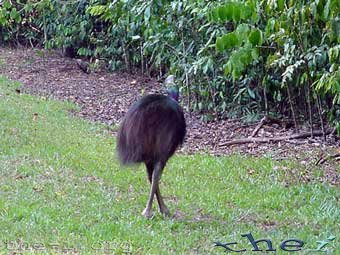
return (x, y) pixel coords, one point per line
(243, 56)
(296, 45)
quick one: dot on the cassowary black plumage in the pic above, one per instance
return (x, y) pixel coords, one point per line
(150, 133)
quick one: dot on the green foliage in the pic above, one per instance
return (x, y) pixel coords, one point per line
(299, 56)
(242, 55)
(234, 11)
(20, 23)
(227, 41)
(255, 37)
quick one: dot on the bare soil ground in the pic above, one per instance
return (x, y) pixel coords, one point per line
(105, 97)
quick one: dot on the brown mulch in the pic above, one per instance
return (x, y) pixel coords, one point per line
(105, 97)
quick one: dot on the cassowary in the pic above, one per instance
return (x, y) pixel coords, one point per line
(150, 132)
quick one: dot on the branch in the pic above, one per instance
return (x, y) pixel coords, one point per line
(258, 127)
(274, 139)
(323, 160)
(266, 47)
(269, 120)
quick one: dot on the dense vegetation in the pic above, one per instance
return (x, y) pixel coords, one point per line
(250, 57)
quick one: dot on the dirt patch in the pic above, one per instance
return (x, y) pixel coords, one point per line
(105, 97)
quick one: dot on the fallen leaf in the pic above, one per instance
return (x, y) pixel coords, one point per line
(251, 171)
(35, 116)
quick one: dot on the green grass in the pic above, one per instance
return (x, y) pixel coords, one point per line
(61, 187)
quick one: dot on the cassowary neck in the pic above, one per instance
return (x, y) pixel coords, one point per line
(173, 93)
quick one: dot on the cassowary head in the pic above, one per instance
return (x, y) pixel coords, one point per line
(171, 88)
(173, 93)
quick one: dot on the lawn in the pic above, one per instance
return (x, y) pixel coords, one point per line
(63, 190)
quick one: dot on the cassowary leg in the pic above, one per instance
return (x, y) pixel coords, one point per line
(156, 175)
(162, 207)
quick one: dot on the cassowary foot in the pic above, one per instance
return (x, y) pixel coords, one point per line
(147, 213)
(165, 211)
